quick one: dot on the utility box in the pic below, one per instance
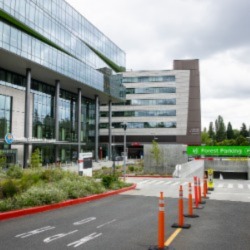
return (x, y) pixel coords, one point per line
(85, 164)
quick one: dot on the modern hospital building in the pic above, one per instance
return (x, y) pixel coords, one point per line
(161, 105)
(56, 68)
(64, 89)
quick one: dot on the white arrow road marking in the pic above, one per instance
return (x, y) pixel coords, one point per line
(36, 231)
(84, 221)
(109, 222)
(58, 236)
(84, 240)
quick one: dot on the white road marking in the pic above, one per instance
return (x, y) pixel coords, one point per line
(160, 182)
(168, 182)
(230, 185)
(151, 182)
(84, 221)
(248, 186)
(240, 186)
(58, 236)
(36, 231)
(175, 184)
(84, 240)
(143, 182)
(184, 184)
(220, 185)
(109, 222)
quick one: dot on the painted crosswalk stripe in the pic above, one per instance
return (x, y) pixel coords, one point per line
(176, 183)
(220, 186)
(248, 186)
(230, 185)
(240, 186)
(168, 182)
(151, 182)
(160, 182)
(143, 182)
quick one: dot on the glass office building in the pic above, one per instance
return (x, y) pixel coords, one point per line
(162, 105)
(56, 68)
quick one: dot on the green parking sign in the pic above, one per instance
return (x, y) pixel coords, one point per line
(219, 150)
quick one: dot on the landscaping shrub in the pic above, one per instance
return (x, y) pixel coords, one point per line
(73, 189)
(54, 175)
(39, 187)
(40, 195)
(7, 205)
(8, 189)
(118, 185)
(15, 172)
(31, 177)
(131, 168)
(107, 180)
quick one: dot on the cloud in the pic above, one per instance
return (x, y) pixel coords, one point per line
(154, 33)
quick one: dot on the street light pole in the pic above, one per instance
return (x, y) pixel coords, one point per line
(124, 152)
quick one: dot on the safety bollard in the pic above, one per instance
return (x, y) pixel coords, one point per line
(196, 194)
(199, 191)
(161, 222)
(190, 203)
(180, 223)
(205, 191)
(161, 227)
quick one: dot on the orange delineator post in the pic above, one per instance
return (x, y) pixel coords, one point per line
(190, 203)
(199, 190)
(181, 220)
(161, 222)
(196, 193)
(205, 189)
(180, 223)
(190, 200)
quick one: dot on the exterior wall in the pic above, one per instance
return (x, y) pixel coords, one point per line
(181, 107)
(228, 166)
(18, 113)
(193, 135)
(171, 156)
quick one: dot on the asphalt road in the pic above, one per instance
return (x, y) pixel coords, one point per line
(118, 222)
(129, 221)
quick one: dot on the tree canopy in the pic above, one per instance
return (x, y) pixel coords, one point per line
(219, 134)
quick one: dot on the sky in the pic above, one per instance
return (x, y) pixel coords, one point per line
(153, 33)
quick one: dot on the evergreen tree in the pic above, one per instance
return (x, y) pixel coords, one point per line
(230, 132)
(220, 129)
(243, 130)
(211, 132)
(205, 139)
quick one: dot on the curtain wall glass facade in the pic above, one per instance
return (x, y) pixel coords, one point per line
(53, 56)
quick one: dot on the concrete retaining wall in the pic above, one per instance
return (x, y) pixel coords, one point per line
(190, 169)
(171, 155)
(228, 166)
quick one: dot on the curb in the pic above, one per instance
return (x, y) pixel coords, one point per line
(39, 209)
(147, 176)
